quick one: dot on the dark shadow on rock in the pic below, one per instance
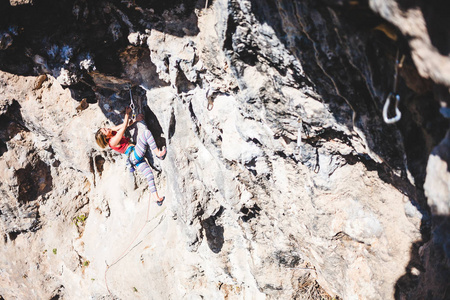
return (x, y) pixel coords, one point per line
(179, 18)
(427, 274)
(408, 282)
(436, 14)
(18, 219)
(155, 127)
(99, 163)
(172, 125)
(249, 213)
(101, 31)
(351, 64)
(34, 28)
(160, 6)
(34, 180)
(288, 259)
(139, 69)
(340, 77)
(34, 226)
(3, 147)
(349, 85)
(183, 84)
(82, 91)
(11, 123)
(58, 293)
(443, 150)
(48, 36)
(214, 232)
(422, 128)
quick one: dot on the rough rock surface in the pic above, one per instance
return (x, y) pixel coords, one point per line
(281, 179)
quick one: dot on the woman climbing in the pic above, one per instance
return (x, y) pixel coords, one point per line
(114, 137)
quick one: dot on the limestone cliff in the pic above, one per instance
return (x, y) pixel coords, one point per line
(282, 181)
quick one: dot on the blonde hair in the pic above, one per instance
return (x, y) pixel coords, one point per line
(100, 138)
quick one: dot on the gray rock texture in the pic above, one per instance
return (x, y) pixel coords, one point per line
(282, 181)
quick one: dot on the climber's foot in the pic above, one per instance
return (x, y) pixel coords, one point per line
(160, 201)
(162, 153)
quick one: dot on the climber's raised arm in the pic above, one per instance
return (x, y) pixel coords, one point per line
(114, 141)
(130, 122)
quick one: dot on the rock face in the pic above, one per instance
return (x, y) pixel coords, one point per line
(281, 179)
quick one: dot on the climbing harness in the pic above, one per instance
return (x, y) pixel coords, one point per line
(130, 151)
(394, 96)
(129, 248)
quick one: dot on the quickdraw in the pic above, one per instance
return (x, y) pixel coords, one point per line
(298, 147)
(394, 95)
(132, 106)
(317, 166)
(398, 113)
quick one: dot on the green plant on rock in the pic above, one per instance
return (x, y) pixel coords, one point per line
(79, 220)
(55, 251)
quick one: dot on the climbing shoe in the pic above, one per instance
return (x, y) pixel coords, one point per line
(160, 201)
(164, 155)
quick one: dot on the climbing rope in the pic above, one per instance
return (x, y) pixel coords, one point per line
(393, 95)
(129, 248)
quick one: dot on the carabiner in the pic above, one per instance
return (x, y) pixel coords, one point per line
(398, 114)
(298, 147)
(132, 106)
